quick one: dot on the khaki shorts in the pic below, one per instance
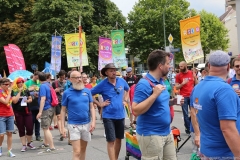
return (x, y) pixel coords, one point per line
(46, 118)
(78, 132)
(157, 147)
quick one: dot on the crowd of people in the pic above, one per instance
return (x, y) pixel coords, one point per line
(208, 92)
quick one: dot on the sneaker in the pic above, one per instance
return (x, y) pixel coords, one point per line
(44, 146)
(50, 149)
(56, 126)
(187, 131)
(30, 145)
(10, 154)
(0, 151)
(61, 137)
(50, 128)
(24, 148)
(38, 138)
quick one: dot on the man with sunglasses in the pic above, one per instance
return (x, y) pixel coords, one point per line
(130, 78)
(113, 90)
(235, 80)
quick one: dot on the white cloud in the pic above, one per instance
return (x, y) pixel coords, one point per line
(215, 6)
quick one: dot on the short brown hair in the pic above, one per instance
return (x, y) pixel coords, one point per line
(235, 59)
(4, 80)
(155, 58)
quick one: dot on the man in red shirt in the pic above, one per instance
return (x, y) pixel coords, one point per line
(85, 81)
(185, 81)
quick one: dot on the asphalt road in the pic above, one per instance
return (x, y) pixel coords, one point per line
(96, 149)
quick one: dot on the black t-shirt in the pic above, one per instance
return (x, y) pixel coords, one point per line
(61, 86)
(131, 81)
(17, 106)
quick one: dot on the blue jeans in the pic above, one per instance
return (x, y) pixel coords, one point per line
(185, 107)
(6, 124)
(36, 123)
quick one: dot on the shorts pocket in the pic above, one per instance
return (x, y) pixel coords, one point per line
(152, 158)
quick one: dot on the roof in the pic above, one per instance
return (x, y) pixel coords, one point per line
(222, 17)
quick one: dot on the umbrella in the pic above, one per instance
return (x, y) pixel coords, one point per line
(20, 73)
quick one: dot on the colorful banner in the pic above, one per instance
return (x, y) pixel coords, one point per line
(72, 50)
(190, 37)
(104, 52)
(10, 62)
(118, 48)
(56, 53)
(17, 56)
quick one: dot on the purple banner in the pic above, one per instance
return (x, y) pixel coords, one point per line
(104, 52)
(56, 53)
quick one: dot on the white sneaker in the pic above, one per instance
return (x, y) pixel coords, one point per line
(0, 151)
(24, 148)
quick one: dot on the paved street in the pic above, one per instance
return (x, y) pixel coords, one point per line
(96, 148)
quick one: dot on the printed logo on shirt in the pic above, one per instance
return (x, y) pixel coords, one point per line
(120, 88)
(84, 94)
(196, 105)
(235, 86)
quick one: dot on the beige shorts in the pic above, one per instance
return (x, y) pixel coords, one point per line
(78, 132)
(157, 147)
(46, 118)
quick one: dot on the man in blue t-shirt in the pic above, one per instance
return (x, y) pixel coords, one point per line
(151, 105)
(78, 101)
(218, 111)
(46, 111)
(113, 90)
(235, 80)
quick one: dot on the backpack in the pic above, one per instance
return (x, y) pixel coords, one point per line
(54, 97)
(229, 80)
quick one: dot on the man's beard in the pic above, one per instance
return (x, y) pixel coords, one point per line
(183, 70)
(165, 73)
(78, 86)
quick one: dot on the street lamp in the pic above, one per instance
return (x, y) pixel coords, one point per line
(164, 31)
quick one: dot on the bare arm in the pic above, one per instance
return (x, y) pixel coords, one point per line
(42, 103)
(231, 136)
(103, 104)
(92, 110)
(16, 98)
(126, 96)
(195, 126)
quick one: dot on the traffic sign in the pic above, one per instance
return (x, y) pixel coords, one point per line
(175, 49)
(170, 38)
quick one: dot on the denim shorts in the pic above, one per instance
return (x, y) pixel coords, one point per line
(6, 124)
(114, 128)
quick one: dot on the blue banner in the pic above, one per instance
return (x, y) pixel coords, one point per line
(47, 69)
(56, 53)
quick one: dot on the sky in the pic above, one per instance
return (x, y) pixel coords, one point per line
(215, 6)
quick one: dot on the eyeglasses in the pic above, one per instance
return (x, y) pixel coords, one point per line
(84, 77)
(6, 84)
(116, 90)
(77, 77)
(237, 66)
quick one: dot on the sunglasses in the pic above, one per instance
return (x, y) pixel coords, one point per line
(116, 90)
(77, 77)
(6, 84)
(237, 66)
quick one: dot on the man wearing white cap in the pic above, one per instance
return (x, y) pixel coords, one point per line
(130, 78)
(218, 111)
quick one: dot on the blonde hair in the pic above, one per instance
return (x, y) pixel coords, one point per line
(15, 87)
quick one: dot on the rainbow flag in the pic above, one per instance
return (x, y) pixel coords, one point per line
(132, 145)
(127, 108)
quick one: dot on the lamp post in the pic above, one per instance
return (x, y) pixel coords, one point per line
(164, 30)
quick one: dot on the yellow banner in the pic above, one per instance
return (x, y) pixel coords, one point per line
(190, 37)
(72, 50)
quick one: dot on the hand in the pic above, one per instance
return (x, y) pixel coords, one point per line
(157, 90)
(36, 94)
(185, 81)
(20, 89)
(182, 101)
(105, 103)
(32, 88)
(173, 101)
(39, 115)
(197, 141)
(57, 89)
(9, 90)
(64, 132)
(237, 91)
(92, 127)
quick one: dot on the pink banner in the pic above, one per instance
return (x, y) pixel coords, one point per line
(17, 56)
(105, 52)
(10, 62)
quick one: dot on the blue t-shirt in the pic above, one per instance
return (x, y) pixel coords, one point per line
(215, 101)
(115, 94)
(156, 121)
(44, 91)
(77, 103)
(235, 83)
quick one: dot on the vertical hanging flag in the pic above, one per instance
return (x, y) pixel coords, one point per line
(118, 48)
(17, 56)
(10, 62)
(104, 52)
(56, 53)
(72, 49)
(191, 40)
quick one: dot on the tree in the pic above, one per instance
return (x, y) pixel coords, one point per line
(214, 35)
(145, 27)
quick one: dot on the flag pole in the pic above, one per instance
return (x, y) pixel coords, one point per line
(80, 45)
(55, 46)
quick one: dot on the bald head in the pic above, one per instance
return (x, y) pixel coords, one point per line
(183, 66)
(75, 74)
